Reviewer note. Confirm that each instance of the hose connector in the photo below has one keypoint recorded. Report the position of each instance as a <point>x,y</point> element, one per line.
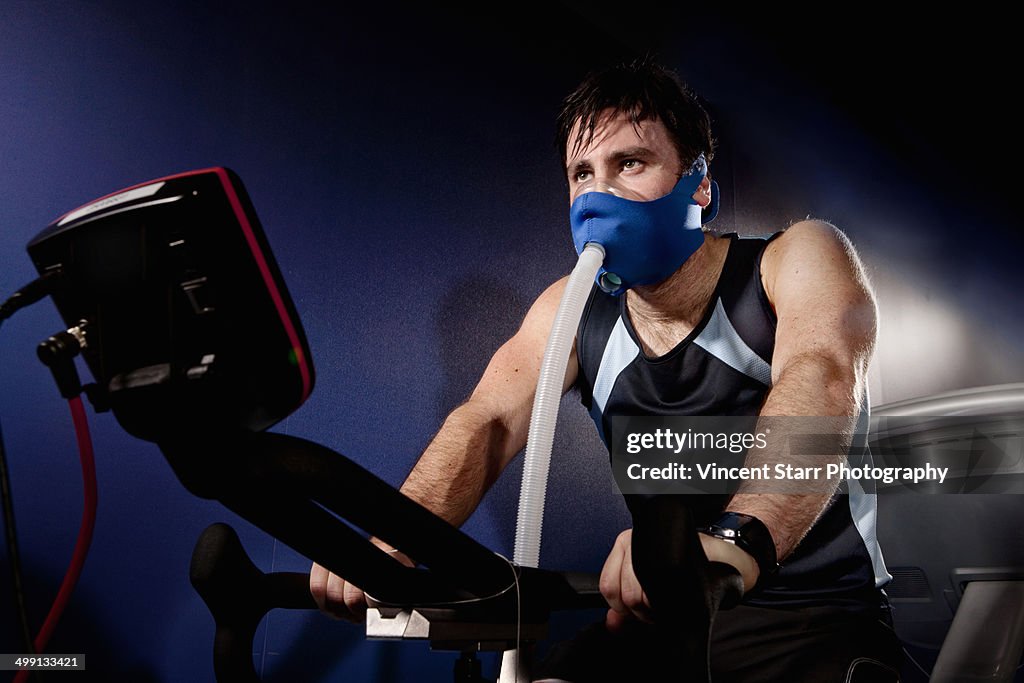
<point>58,353</point>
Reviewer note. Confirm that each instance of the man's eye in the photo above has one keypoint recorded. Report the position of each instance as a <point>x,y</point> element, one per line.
<point>630,164</point>
<point>581,176</point>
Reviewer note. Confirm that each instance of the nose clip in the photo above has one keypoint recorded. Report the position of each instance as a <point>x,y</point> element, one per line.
<point>605,187</point>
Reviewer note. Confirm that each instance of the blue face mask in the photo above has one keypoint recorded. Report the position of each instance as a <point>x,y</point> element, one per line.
<point>644,242</point>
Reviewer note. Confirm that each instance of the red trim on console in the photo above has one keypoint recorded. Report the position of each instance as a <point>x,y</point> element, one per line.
<point>275,295</point>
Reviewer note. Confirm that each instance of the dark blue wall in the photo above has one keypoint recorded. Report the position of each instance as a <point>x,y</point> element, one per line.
<point>402,164</point>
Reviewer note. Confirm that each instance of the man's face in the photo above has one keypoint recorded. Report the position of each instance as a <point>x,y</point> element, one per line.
<point>632,161</point>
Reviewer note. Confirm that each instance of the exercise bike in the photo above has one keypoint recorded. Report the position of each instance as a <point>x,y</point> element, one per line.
<point>173,299</point>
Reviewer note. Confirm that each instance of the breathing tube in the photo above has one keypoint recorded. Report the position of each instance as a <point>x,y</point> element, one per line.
<point>546,402</point>
<point>622,242</point>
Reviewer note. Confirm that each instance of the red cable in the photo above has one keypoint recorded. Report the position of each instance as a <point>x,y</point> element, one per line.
<point>84,531</point>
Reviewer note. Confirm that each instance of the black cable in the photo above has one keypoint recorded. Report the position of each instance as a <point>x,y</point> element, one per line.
<point>31,293</point>
<point>13,554</point>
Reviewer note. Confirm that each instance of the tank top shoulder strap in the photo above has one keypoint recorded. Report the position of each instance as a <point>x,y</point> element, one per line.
<point>743,296</point>
<point>599,318</point>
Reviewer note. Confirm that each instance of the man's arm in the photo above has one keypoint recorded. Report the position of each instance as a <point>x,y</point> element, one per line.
<point>473,446</point>
<point>480,437</point>
<point>824,341</point>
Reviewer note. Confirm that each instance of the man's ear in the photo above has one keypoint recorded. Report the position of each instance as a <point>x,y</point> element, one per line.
<point>703,194</point>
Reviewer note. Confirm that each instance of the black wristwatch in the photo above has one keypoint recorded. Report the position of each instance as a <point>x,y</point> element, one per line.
<point>750,535</point>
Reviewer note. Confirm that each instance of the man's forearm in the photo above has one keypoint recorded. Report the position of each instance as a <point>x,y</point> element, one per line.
<point>810,386</point>
<point>459,465</point>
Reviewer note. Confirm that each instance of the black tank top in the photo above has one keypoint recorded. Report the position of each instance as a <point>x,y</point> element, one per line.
<point>723,367</point>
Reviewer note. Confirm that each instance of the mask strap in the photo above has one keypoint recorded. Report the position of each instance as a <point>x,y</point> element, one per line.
<point>689,183</point>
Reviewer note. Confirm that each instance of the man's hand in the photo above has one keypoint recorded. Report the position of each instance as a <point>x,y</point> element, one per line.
<point>340,599</point>
<point>624,594</point>
<point>620,587</point>
<point>335,596</point>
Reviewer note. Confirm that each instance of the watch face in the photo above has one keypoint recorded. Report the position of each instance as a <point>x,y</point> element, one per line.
<point>750,534</point>
<point>733,521</point>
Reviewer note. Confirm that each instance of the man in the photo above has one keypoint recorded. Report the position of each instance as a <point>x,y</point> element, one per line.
<point>776,327</point>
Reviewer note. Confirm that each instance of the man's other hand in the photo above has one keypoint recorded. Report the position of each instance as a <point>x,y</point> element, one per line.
<point>340,599</point>
<point>620,587</point>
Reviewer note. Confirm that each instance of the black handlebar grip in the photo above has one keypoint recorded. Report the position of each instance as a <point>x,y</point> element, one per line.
<point>238,595</point>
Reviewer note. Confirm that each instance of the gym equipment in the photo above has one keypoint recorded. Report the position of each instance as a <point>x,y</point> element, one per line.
<point>174,300</point>
<point>957,560</point>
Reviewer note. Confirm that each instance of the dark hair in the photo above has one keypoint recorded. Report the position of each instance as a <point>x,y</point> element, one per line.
<point>644,91</point>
